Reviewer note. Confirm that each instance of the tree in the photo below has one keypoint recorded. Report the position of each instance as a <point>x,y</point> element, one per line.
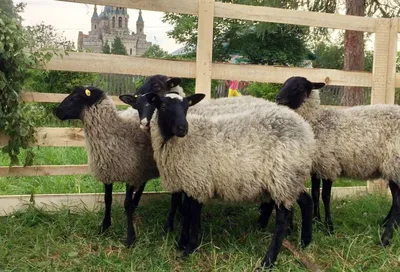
<point>354,54</point>
<point>118,48</point>
<point>257,42</point>
<point>155,51</point>
<point>106,48</point>
<point>46,37</point>
<point>10,10</point>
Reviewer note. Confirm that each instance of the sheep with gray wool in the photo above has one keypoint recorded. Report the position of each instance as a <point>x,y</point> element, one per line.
<point>118,150</point>
<point>198,155</point>
<point>358,142</point>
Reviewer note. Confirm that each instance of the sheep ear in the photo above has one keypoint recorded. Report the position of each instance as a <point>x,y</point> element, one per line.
<point>194,99</point>
<point>317,85</point>
<point>153,99</point>
<point>173,82</point>
<point>129,98</point>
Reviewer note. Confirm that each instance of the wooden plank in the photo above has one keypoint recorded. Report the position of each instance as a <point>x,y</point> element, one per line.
<point>246,12</point>
<point>124,65</point>
<point>91,62</point>
<point>204,47</point>
<point>178,6</point>
<point>43,170</point>
<point>95,201</point>
<point>392,58</point>
<point>275,74</point>
<point>381,60</point>
<point>55,98</point>
<point>296,17</point>
<point>75,202</point>
<point>56,137</point>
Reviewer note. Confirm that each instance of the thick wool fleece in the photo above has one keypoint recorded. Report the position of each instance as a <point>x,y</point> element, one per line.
<point>118,150</point>
<point>239,157</point>
<point>228,105</point>
<point>358,142</point>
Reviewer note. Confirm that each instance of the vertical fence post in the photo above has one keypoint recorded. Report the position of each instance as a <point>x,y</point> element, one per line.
<point>380,75</point>
<point>204,47</point>
<point>384,75</point>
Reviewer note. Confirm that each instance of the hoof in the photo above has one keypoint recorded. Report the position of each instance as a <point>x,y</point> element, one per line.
<point>384,242</point>
<point>267,264</point>
<point>168,227</point>
<point>182,244</point>
<point>129,242</point>
<point>104,228</point>
<point>329,228</point>
<point>306,241</point>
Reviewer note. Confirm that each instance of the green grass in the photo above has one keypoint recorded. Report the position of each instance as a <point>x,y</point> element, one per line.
<point>34,240</point>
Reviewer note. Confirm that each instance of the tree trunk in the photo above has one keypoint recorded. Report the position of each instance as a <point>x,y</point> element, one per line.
<point>354,54</point>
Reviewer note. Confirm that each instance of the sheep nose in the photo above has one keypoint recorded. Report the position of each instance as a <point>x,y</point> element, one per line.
<point>182,130</point>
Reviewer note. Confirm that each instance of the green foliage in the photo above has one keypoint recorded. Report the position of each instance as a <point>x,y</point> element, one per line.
<point>17,55</point>
<point>106,48</point>
<point>267,91</point>
<point>10,10</point>
<point>118,48</point>
<point>329,56</point>
<point>263,43</point>
<point>155,51</point>
<point>46,37</point>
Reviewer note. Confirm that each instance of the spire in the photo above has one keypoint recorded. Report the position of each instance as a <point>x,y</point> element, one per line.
<point>95,15</point>
<point>140,18</point>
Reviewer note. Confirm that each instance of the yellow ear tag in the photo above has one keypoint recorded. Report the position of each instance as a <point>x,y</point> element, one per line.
<point>87,92</point>
<point>190,102</point>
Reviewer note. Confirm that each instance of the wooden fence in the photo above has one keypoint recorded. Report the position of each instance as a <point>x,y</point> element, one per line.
<point>382,80</point>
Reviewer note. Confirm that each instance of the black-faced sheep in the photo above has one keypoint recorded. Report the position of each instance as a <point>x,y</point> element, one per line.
<point>118,150</point>
<point>358,142</point>
<point>198,155</point>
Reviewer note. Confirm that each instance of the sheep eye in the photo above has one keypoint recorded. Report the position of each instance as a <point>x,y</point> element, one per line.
<point>163,107</point>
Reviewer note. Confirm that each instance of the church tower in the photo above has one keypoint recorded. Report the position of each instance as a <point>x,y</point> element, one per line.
<point>95,20</point>
<point>140,24</point>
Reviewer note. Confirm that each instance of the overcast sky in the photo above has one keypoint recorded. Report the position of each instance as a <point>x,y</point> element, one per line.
<point>71,18</point>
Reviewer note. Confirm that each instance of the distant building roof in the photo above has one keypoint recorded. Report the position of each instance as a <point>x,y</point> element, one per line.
<point>95,15</point>
<point>140,18</point>
<point>180,51</point>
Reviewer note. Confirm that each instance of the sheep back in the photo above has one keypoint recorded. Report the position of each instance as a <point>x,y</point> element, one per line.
<point>239,157</point>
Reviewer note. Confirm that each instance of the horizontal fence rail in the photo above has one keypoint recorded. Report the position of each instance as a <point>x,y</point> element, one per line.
<point>129,65</point>
<point>246,12</point>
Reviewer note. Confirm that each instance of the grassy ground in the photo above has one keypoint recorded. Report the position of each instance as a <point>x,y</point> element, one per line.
<point>41,241</point>
<point>76,183</point>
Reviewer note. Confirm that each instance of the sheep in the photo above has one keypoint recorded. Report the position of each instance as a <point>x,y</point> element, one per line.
<point>274,147</point>
<point>118,151</point>
<point>213,107</point>
<point>358,142</point>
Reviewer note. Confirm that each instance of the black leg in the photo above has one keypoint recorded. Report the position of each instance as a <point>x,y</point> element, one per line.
<point>384,222</point>
<point>266,209</point>
<point>108,188</point>
<point>128,204</point>
<point>305,202</point>
<point>180,203</point>
<point>282,222</point>
<point>315,191</point>
<point>137,196</point>
<point>184,239</point>
<point>176,202</point>
<point>195,213</point>
<point>394,219</point>
<point>326,198</point>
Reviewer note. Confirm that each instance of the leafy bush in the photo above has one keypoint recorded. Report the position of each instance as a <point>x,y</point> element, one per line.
<point>16,57</point>
<point>267,91</point>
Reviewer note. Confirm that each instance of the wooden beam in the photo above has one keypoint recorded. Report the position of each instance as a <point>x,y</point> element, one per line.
<point>274,74</point>
<point>246,12</point>
<point>75,202</point>
<point>295,17</point>
<point>392,58</point>
<point>178,6</point>
<point>204,47</point>
<point>92,62</point>
<point>43,170</point>
<point>55,98</point>
<point>124,65</point>
<point>95,201</point>
<point>381,61</point>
